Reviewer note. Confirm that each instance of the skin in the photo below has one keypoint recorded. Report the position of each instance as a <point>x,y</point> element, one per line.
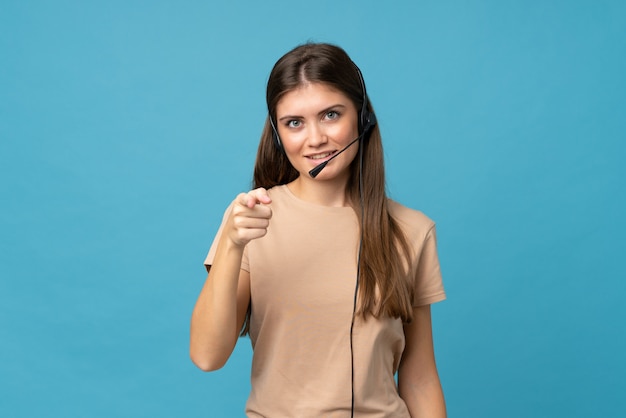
<point>314,121</point>
<point>418,380</point>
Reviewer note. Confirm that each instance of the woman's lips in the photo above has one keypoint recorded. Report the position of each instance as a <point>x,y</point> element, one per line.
<point>320,157</point>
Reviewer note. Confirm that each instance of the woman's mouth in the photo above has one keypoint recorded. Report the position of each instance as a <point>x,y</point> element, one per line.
<point>321,155</point>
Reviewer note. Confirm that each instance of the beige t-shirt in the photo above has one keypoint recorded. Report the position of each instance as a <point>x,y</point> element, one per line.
<point>302,282</point>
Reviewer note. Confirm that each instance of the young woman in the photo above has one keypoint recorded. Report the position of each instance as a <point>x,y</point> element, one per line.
<point>332,280</point>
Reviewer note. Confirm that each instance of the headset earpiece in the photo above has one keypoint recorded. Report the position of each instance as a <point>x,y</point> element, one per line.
<point>367,119</point>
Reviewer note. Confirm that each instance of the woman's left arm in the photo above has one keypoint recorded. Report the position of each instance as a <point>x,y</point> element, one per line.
<point>418,380</point>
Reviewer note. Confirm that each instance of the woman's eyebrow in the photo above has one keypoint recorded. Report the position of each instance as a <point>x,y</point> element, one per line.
<point>333,107</point>
<point>321,112</point>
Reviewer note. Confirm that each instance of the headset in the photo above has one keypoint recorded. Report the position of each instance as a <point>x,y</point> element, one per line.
<point>367,118</point>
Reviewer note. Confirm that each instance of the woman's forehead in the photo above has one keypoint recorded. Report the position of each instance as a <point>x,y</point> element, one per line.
<point>309,97</point>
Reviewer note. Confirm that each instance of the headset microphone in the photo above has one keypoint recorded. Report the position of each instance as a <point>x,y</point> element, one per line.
<point>316,170</point>
<point>371,121</point>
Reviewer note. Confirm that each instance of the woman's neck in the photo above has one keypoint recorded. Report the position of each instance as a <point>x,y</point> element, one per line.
<point>325,193</point>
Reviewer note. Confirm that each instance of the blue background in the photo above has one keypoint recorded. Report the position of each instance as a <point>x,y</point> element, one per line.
<point>127,127</point>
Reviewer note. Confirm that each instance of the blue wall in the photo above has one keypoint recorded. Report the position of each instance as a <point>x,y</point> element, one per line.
<point>127,127</point>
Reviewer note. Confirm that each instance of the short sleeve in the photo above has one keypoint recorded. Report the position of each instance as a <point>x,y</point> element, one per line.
<point>428,281</point>
<point>208,261</point>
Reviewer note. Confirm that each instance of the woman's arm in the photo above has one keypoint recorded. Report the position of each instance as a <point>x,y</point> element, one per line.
<point>418,380</point>
<point>219,314</point>
<point>221,307</point>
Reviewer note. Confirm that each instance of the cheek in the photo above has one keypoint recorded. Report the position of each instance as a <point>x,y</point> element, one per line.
<point>352,152</point>
<point>350,131</point>
<point>292,151</point>
<point>291,147</point>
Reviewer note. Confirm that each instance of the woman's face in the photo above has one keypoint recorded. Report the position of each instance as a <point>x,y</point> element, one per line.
<point>315,121</point>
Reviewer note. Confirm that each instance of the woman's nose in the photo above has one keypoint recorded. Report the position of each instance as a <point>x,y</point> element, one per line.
<point>317,136</point>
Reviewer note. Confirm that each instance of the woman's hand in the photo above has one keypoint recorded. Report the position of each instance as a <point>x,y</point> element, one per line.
<point>250,217</point>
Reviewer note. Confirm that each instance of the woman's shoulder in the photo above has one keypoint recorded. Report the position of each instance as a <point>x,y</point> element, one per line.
<point>411,220</point>
<point>279,194</point>
<point>277,191</point>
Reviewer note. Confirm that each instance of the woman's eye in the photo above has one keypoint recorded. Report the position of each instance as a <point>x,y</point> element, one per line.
<point>333,114</point>
<point>294,124</point>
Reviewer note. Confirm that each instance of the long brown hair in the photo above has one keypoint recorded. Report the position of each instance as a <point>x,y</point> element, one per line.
<point>384,286</point>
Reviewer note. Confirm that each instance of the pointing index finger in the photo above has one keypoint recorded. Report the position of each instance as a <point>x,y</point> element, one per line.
<point>256,196</point>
